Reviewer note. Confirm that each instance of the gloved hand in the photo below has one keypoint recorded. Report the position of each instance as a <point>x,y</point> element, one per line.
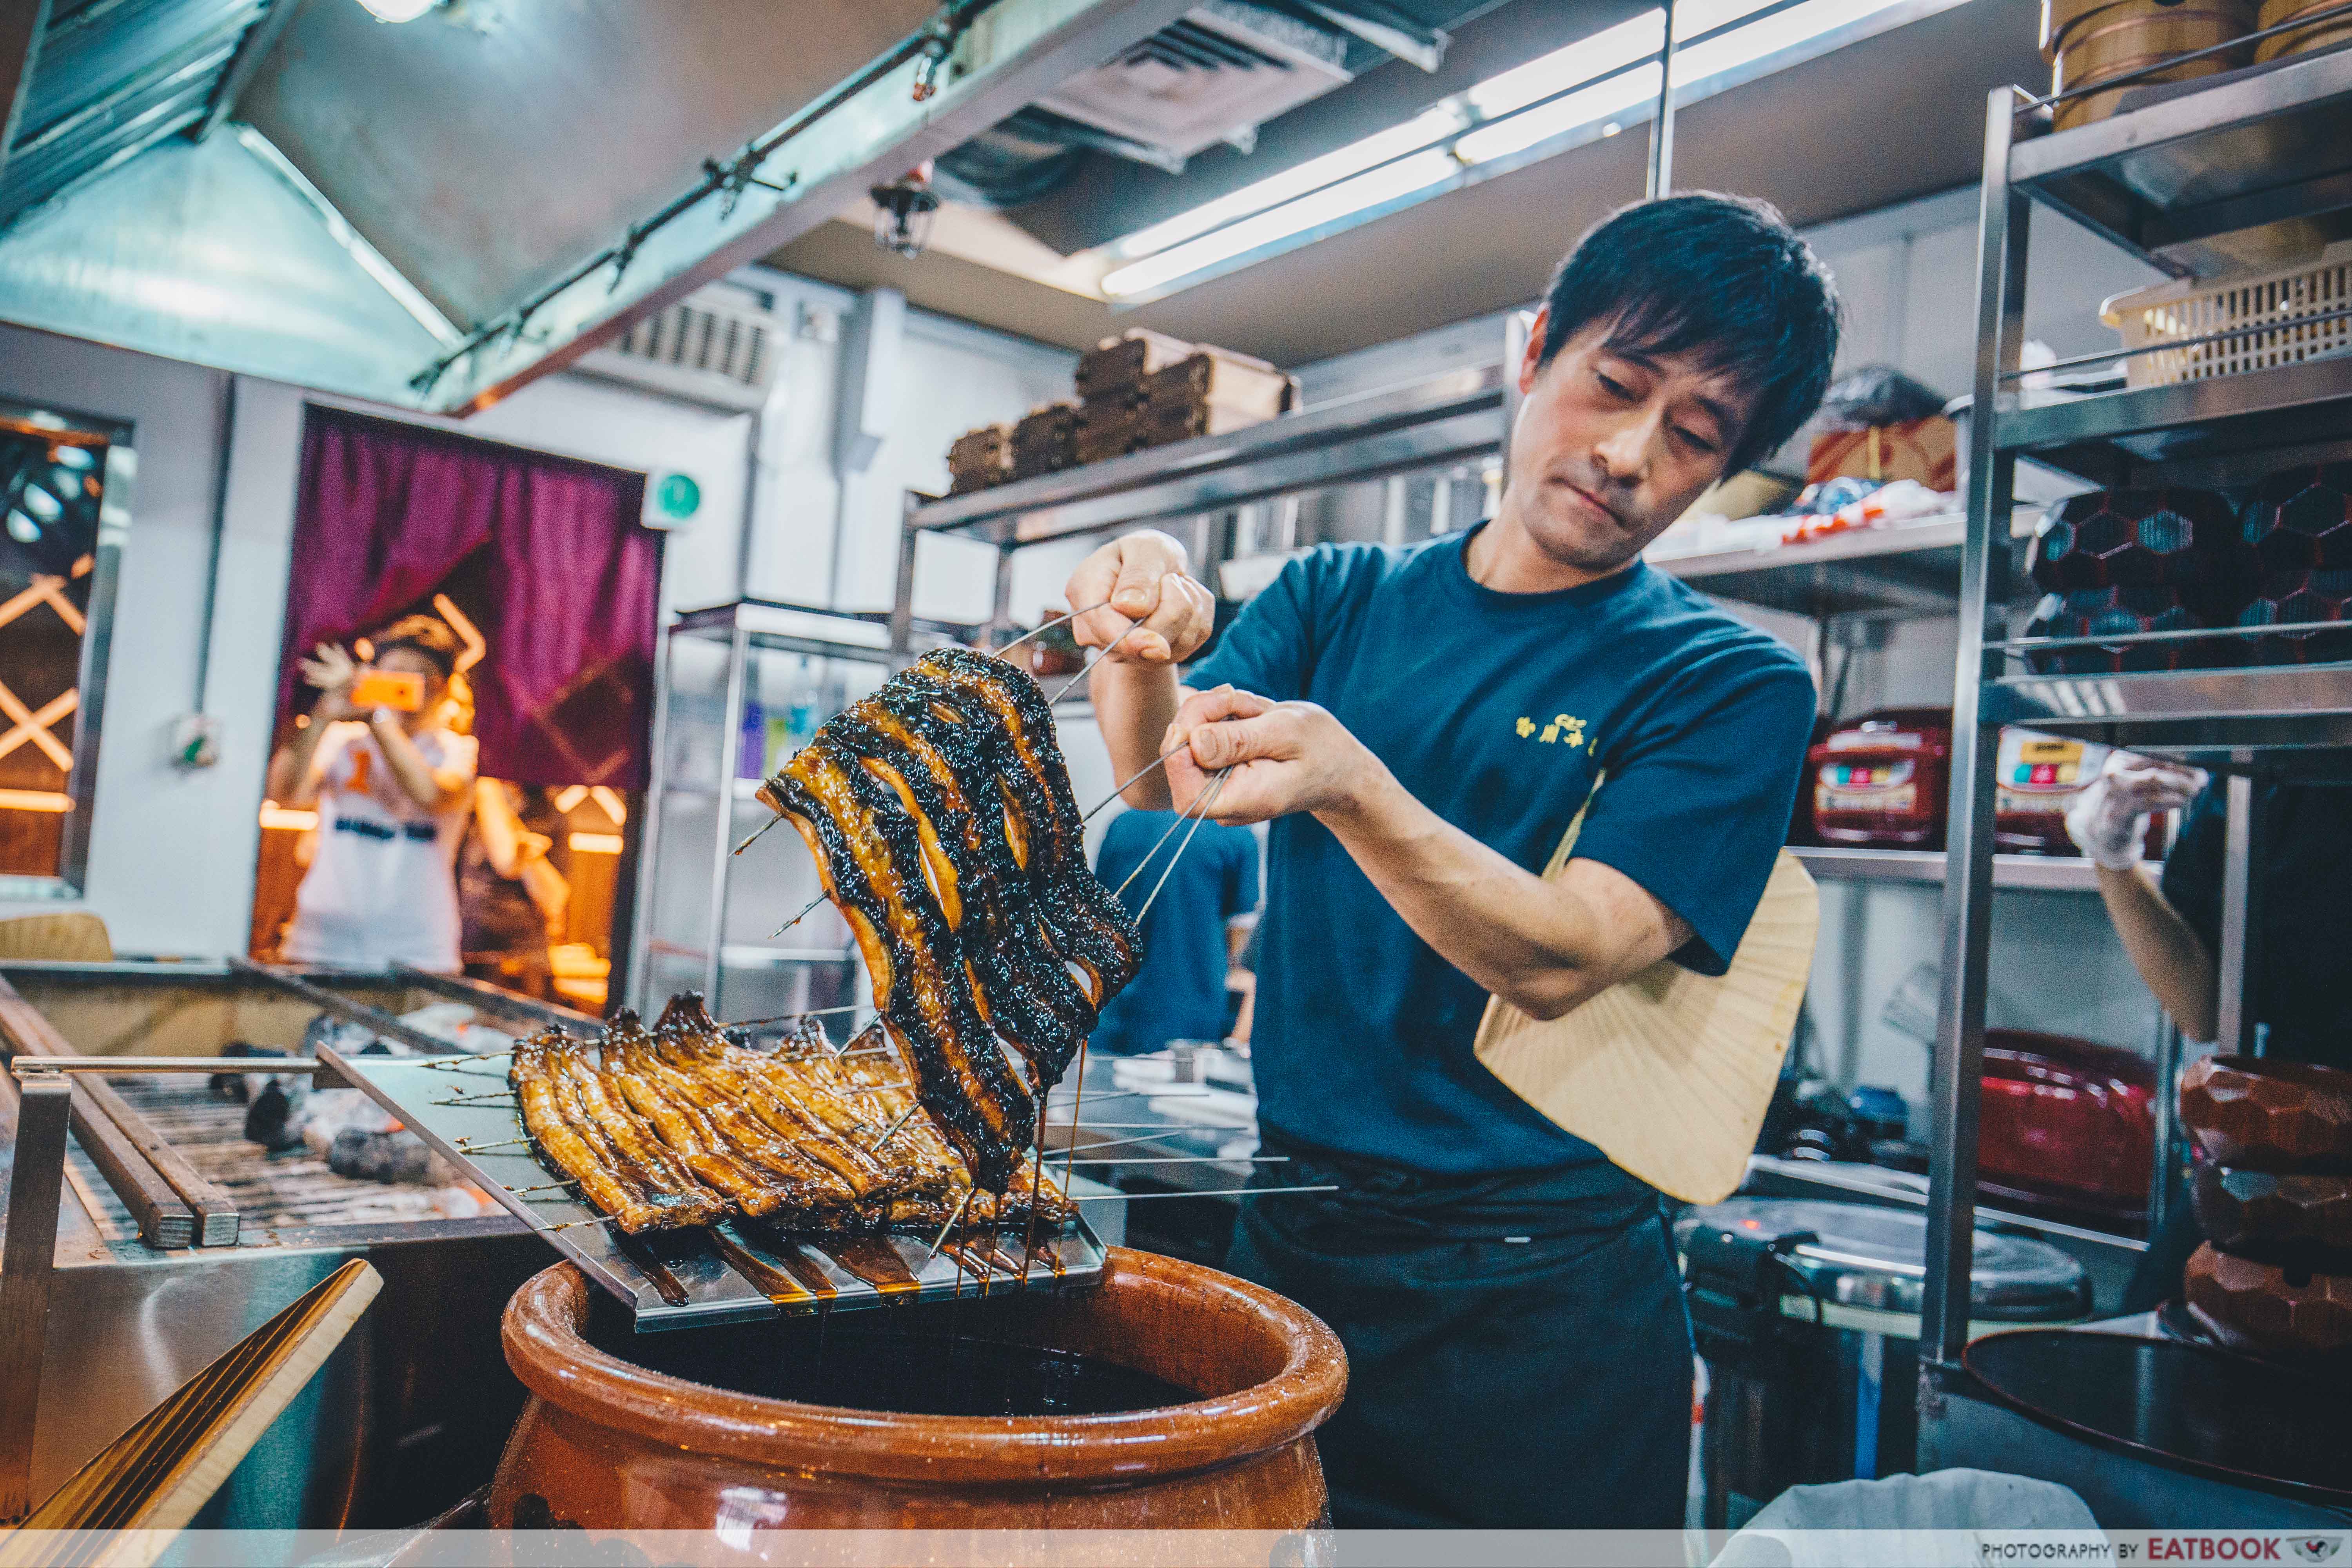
<point>2109,821</point>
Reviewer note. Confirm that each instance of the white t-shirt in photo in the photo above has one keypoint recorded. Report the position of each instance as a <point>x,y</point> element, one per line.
<point>382,884</point>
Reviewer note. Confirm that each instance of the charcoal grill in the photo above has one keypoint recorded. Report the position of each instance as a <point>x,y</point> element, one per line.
<point>407,1417</point>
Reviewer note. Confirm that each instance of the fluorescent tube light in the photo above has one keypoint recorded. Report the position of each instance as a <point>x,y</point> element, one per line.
<point>1431,125</point>
<point>1499,117</point>
<point>1328,205</point>
<point>1607,50</point>
<point>1599,101</point>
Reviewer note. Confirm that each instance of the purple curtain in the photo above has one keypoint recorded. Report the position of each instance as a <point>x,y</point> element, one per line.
<point>569,584</point>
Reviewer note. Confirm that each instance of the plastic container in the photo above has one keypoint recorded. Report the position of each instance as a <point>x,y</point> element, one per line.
<point>2275,300</point>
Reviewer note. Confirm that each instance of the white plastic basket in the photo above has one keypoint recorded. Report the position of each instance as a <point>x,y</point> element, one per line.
<point>2171,312</point>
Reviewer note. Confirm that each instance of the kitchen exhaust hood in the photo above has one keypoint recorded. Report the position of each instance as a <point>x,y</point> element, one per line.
<point>431,216</point>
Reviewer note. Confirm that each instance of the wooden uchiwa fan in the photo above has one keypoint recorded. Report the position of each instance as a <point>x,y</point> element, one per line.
<point>1670,1073</point>
<point>124,1507</point>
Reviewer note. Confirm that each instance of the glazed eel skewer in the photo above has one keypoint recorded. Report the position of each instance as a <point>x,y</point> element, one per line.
<point>940,816</point>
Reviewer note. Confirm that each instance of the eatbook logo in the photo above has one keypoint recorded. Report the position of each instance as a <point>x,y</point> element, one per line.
<point>2316,1548</point>
<point>1562,731</point>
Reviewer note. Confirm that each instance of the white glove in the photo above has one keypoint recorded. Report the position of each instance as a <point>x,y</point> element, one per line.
<point>2109,821</point>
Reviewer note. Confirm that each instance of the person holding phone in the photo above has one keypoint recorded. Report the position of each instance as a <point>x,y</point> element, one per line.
<point>393,787</point>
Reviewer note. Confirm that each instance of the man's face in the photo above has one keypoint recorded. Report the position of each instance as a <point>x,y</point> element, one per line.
<point>1611,446</point>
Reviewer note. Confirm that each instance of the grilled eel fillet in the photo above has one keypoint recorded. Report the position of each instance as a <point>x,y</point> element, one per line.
<point>866,1091</point>
<point>623,1171</point>
<point>942,818</point>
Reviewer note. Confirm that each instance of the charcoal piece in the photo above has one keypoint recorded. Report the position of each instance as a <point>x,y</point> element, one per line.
<point>1045,442</point>
<point>240,1086</point>
<point>269,1118</point>
<point>380,1156</point>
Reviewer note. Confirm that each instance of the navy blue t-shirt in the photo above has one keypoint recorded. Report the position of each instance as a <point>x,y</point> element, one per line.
<point>1179,991</point>
<point>1493,710</point>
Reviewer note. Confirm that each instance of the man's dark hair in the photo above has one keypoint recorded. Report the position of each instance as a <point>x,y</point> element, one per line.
<point>1723,278</point>
<point>421,634</point>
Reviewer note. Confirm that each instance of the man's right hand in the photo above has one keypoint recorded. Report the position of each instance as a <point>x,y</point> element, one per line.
<point>1140,604</point>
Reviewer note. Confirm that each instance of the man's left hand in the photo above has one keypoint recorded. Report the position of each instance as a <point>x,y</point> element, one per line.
<point>1285,757</point>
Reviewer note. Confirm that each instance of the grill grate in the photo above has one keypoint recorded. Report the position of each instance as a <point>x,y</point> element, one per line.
<point>271,1192</point>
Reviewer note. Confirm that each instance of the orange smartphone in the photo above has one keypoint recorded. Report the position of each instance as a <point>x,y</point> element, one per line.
<point>401,691</point>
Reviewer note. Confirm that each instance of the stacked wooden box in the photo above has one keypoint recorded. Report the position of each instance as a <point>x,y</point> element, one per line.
<point>1139,389</point>
<point>1211,392</point>
<point>1045,441</point>
<point>1111,379</point>
<point>979,459</point>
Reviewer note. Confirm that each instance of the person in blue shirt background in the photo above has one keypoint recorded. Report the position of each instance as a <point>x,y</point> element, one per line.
<point>1419,724</point>
<point>1191,932</point>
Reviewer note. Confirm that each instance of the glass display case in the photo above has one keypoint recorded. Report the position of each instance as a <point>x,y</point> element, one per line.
<point>743,686</point>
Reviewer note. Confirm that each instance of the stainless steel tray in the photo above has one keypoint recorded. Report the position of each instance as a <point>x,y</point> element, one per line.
<point>686,1279</point>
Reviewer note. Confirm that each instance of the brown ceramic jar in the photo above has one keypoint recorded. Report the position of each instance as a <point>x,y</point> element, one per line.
<point>607,1445</point>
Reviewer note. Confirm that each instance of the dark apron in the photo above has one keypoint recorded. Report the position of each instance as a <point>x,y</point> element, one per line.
<point>1543,1384</point>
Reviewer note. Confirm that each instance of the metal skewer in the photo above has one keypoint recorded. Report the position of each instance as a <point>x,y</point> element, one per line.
<point>892,1130</point>
<point>507,1097</point>
<point>941,1239</point>
<point>1201,803</point>
<point>1119,789</point>
<point>467,1147</point>
<point>796,918</point>
<point>760,833</point>
<point>577,1224</point>
<point>1088,668</point>
<point>803,1013</point>
<point>1049,626</point>
<point>1192,1160</point>
<point>1208,799</point>
<point>543,1187</point>
<point>1212,1192</point>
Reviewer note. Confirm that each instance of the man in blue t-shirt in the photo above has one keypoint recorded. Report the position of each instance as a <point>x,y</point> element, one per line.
<point>1200,882</point>
<point>1420,725</point>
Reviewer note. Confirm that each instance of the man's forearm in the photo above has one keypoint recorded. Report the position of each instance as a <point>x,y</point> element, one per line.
<point>2165,948</point>
<point>1545,947</point>
<point>1134,705</point>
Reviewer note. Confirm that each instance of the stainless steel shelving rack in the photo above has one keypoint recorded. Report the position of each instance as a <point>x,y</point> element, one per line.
<point>666,903</point>
<point>2253,149</point>
<point>1447,419</point>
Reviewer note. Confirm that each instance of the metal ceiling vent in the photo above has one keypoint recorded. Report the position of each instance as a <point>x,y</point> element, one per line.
<point>720,346</point>
<point>1224,69</point>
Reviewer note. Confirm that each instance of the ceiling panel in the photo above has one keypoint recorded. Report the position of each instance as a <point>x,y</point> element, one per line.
<point>1894,117</point>
<point>484,148</point>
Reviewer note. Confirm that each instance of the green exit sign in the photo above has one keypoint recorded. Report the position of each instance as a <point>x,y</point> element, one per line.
<point>677,497</point>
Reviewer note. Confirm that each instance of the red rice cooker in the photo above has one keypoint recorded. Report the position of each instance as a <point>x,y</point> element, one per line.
<point>1880,782</point>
